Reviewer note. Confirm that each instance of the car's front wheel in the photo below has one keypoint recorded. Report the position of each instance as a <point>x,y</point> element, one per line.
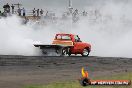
<point>85,52</point>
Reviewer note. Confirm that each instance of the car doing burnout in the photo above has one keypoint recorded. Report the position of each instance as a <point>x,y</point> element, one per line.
<point>66,44</point>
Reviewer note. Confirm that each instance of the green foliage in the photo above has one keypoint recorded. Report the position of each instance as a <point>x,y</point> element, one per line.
<point>75,84</point>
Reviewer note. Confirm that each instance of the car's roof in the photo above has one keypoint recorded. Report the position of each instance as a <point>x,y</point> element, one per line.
<point>64,34</point>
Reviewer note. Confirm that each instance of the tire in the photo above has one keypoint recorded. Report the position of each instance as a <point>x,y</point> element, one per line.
<point>44,52</point>
<point>64,52</point>
<point>85,52</point>
<point>69,54</point>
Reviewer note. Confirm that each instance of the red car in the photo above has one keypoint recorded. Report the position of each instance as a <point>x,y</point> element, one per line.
<point>67,44</point>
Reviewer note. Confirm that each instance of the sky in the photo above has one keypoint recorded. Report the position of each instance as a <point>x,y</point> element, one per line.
<point>58,3</point>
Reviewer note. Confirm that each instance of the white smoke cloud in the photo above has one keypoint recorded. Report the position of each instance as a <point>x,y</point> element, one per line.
<point>110,34</point>
<point>18,39</point>
<point>13,37</point>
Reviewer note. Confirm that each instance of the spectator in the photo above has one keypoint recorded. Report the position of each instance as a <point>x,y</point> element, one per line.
<point>0,13</point>
<point>13,7</point>
<point>34,14</point>
<point>47,13</point>
<point>24,12</point>
<point>19,11</point>
<point>41,12</point>
<point>84,13</point>
<point>37,12</point>
<point>76,11</point>
<point>6,8</point>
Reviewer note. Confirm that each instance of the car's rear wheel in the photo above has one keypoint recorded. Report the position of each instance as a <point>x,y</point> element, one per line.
<point>69,54</point>
<point>65,51</point>
<point>85,52</point>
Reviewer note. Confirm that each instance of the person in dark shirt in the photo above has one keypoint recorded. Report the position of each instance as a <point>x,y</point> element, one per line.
<point>6,8</point>
<point>37,12</point>
<point>0,13</point>
<point>41,12</point>
<point>34,14</point>
<point>13,7</point>
<point>19,11</point>
<point>24,11</point>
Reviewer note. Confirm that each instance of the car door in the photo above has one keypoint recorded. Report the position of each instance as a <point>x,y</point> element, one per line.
<point>77,44</point>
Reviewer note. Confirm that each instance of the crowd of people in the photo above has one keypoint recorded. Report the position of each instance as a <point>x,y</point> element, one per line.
<point>13,9</point>
<point>10,9</point>
<point>37,13</point>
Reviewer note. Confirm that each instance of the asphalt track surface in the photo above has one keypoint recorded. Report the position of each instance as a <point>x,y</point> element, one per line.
<point>18,71</point>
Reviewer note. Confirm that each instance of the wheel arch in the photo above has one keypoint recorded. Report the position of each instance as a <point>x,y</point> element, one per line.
<point>88,48</point>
